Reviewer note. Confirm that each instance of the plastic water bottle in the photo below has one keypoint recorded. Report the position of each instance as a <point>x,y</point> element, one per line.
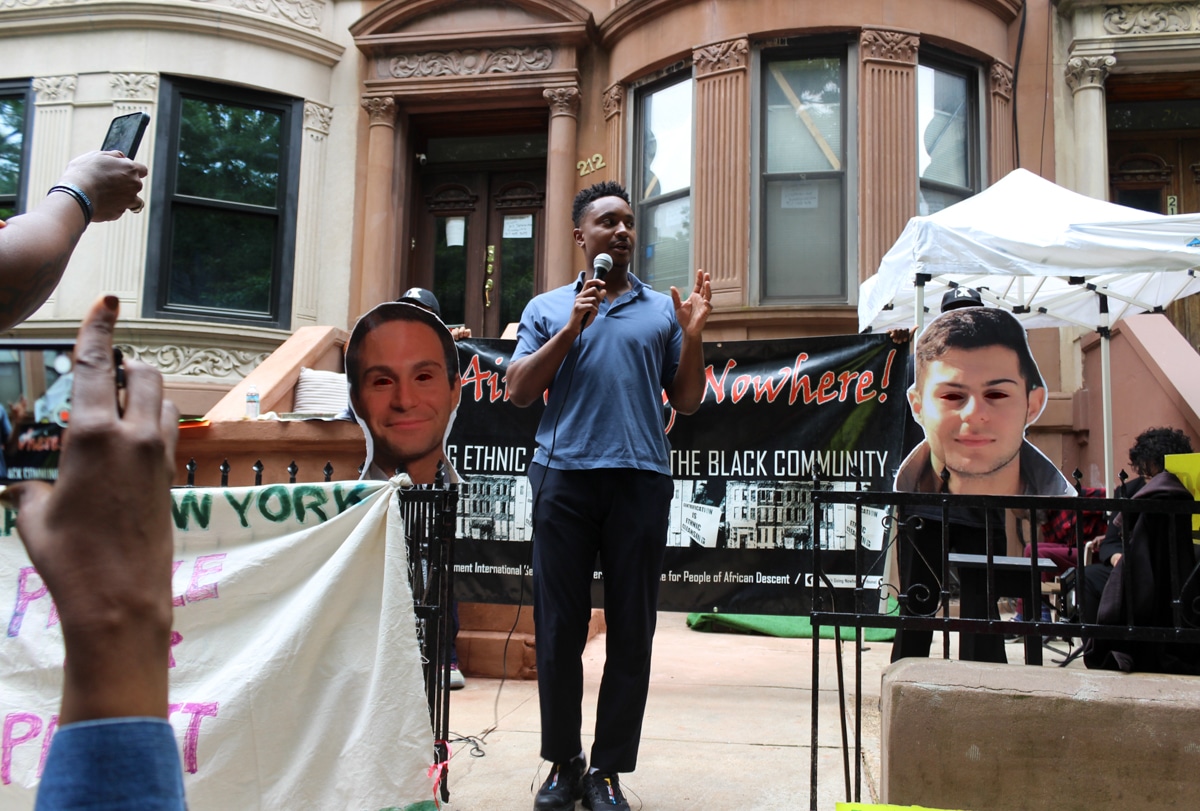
<point>252,403</point>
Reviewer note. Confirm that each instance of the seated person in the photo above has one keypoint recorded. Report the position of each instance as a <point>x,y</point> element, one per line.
<point>1156,558</point>
<point>1057,542</point>
<point>1146,457</point>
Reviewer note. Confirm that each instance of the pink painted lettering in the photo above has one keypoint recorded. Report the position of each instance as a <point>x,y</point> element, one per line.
<point>177,600</point>
<point>10,739</point>
<point>205,565</point>
<point>26,594</point>
<point>176,638</point>
<point>191,737</point>
<point>51,728</point>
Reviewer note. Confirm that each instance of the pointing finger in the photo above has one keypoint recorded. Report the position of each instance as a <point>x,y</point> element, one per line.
<point>94,385</point>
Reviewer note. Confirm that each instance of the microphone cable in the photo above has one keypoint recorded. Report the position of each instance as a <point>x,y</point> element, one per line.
<point>600,267</point>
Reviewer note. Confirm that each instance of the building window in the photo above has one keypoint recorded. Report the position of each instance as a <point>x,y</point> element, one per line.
<point>803,202</point>
<point>663,184</point>
<point>225,193</point>
<point>16,108</point>
<point>947,134</point>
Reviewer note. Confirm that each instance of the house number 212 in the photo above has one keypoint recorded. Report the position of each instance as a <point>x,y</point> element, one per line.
<point>593,164</point>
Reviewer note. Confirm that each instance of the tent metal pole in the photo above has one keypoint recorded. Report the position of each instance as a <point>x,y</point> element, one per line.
<point>1106,393</point>
<point>919,306</point>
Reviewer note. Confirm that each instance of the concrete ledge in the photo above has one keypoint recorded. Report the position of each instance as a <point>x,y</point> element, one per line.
<point>980,737</point>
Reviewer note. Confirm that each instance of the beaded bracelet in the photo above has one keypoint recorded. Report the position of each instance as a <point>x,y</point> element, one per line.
<point>80,197</point>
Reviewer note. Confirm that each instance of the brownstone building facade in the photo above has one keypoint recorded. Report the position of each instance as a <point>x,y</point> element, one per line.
<point>780,146</point>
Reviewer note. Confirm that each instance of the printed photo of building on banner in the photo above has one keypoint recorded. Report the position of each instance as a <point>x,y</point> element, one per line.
<point>778,418</point>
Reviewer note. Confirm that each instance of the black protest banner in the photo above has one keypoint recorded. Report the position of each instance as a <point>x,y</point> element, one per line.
<point>775,414</point>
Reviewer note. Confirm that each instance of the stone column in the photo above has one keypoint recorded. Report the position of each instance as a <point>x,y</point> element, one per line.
<point>54,108</point>
<point>306,270</point>
<point>1085,78</point>
<point>721,178</point>
<point>373,283</point>
<point>558,247</point>
<point>614,129</point>
<point>887,141</point>
<point>1002,154</point>
<point>123,262</point>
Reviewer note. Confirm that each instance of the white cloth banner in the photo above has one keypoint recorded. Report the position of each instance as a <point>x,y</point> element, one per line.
<point>296,679</point>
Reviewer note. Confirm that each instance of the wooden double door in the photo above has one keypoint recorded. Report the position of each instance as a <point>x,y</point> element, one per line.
<point>477,243</point>
<point>1159,172</point>
<point>1154,157</point>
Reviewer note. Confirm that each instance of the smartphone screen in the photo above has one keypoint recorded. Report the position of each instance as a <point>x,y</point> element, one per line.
<point>35,406</point>
<point>125,134</point>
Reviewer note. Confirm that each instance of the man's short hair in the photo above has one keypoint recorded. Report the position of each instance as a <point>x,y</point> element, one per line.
<point>978,328</point>
<point>584,200</point>
<point>1151,446</point>
<point>397,311</point>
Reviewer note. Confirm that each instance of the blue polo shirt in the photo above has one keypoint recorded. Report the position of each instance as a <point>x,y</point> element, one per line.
<point>606,405</point>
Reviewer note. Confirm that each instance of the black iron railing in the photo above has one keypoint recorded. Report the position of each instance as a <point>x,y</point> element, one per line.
<point>926,606</point>
<point>293,470</point>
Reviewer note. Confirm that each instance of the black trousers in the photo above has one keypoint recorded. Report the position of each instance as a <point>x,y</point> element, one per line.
<point>920,580</point>
<point>1095,578</point>
<point>622,517</point>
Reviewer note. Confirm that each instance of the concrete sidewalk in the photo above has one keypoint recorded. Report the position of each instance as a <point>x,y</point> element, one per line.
<point>727,727</point>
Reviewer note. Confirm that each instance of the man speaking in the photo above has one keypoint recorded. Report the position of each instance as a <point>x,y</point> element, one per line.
<point>606,348</point>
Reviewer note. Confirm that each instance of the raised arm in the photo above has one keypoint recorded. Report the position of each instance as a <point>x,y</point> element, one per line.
<point>100,537</point>
<point>35,246</point>
<point>687,389</point>
<point>532,374</point>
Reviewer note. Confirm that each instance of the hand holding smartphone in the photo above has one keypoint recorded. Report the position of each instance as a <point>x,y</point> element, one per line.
<point>125,134</point>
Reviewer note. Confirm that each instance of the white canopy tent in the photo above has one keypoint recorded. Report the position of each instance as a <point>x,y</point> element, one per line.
<point>1050,256</point>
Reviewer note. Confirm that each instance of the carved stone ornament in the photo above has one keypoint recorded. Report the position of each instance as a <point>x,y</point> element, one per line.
<point>381,110</point>
<point>889,46</point>
<point>1142,168</point>
<point>1151,18</point>
<point>721,56</point>
<point>190,361</point>
<point>1158,177</point>
<point>452,197</point>
<point>520,194</point>
<point>54,89</point>
<point>562,100</point>
<point>1001,76</point>
<point>304,13</point>
<point>471,62</point>
<point>134,86</point>
<point>1088,71</point>
<point>318,117</point>
<point>614,98</point>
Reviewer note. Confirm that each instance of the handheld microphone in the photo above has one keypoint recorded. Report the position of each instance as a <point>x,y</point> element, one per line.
<point>601,265</point>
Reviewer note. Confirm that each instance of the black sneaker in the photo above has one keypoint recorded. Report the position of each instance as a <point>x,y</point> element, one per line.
<point>563,787</point>
<point>602,791</point>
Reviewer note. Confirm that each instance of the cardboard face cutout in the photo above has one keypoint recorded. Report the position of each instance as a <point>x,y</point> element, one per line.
<point>402,371</point>
<point>976,390</point>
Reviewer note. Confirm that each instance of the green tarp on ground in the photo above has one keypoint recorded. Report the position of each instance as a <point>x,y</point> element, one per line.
<point>786,627</point>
